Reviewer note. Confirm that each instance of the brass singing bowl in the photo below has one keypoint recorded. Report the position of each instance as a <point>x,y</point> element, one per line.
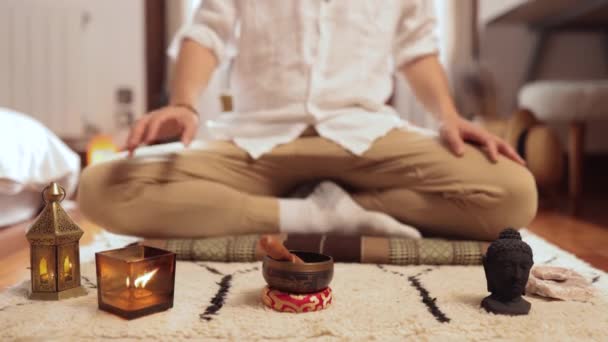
<point>313,275</point>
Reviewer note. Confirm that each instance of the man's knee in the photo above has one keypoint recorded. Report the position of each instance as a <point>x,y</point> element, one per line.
<point>522,199</point>
<point>89,189</point>
<point>99,196</point>
<point>518,203</point>
<point>110,196</point>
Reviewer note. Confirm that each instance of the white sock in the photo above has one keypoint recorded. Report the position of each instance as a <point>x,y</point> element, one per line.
<point>330,209</point>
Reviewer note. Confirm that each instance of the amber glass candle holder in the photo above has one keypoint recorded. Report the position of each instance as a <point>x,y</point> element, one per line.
<point>135,281</point>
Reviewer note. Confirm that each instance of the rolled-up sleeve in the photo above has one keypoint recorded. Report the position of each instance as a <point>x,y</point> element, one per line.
<point>213,26</point>
<point>416,32</point>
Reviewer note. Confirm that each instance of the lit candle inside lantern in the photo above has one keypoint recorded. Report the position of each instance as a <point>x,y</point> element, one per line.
<point>134,295</point>
<point>67,269</point>
<point>144,279</point>
<point>54,250</point>
<point>138,290</point>
<point>44,273</point>
<point>135,281</point>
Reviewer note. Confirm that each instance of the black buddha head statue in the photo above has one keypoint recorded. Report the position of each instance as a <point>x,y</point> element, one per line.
<point>507,266</point>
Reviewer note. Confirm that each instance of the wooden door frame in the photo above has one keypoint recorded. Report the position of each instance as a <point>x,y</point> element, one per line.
<point>155,50</point>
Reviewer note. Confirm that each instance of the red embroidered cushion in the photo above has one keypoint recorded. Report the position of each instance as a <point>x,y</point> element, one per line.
<point>285,302</point>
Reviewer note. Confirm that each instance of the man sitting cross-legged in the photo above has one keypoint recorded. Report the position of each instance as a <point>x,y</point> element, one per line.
<point>310,81</point>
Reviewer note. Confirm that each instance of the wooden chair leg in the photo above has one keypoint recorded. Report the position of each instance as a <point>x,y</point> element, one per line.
<point>576,144</point>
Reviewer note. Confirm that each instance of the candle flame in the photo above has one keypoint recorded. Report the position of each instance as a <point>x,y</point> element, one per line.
<point>43,267</point>
<point>127,282</point>
<point>67,265</point>
<point>141,281</point>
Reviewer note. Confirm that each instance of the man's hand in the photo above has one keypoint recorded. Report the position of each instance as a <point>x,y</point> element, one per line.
<point>165,123</point>
<point>429,82</point>
<point>455,131</point>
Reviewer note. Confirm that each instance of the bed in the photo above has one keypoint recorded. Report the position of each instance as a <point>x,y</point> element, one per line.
<point>31,156</point>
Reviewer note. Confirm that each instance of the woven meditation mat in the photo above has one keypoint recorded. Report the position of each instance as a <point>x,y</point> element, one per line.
<point>365,249</point>
<point>218,301</point>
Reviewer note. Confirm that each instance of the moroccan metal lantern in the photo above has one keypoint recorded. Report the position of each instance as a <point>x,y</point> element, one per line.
<point>135,281</point>
<point>54,250</point>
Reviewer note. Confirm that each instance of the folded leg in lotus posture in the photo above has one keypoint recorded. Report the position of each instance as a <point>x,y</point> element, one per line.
<point>406,178</point>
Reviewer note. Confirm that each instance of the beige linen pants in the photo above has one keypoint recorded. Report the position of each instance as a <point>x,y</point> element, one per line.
<point>220,190</point>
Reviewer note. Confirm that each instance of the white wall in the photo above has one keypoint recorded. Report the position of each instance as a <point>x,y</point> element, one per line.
<point>506,49</point>
<point>65,59</point>
<point>117,46</point>
<point>490,9</point>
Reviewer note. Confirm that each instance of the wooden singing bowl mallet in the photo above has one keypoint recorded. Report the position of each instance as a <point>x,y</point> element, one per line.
<point>275,249</point>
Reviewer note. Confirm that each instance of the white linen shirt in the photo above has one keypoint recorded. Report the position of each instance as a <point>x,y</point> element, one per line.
<point>322,63</point>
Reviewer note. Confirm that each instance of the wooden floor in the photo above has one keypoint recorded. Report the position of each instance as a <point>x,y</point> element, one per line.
<point>586,236</point>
